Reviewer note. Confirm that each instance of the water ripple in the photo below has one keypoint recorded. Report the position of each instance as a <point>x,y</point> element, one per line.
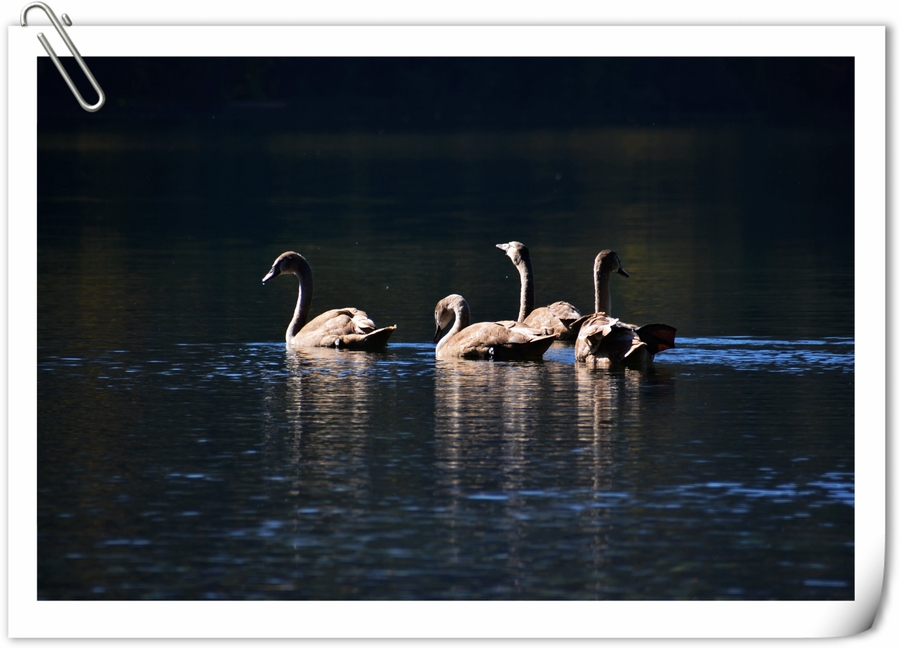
<point>764,354</point>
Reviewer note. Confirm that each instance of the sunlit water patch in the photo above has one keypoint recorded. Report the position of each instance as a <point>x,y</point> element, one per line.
<point>763,354</point>
<point>831,488</point>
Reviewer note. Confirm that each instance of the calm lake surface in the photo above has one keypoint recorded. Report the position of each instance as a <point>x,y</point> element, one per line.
<point>184,453</point>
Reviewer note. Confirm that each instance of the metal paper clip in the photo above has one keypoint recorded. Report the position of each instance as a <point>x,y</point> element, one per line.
<point>62,32</point>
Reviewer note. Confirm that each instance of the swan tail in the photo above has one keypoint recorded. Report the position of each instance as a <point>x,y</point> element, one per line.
<point>573,327</point>
<point>531,350</point>
<point>375,341</point>
<point>539,346</point>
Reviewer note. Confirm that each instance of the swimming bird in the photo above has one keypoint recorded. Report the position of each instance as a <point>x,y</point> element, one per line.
<point>342,328</point>
<point>483,340</point>
<point>603,340</point>
<point>560,317</point>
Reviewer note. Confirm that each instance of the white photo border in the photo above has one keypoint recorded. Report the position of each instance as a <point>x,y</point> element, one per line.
<point>28,617</point>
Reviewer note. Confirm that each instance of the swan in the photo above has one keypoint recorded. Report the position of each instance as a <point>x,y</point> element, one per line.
<point>483,340</point>
<point>604,340</point>
<point>343,328</point>
<point>560,317</point>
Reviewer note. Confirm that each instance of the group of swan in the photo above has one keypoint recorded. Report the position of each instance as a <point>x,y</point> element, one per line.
<point>600,340</point>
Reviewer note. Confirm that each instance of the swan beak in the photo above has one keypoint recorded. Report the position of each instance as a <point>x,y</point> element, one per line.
<point>503,246</point>
<point>274,272</point>
<point>437,333</point>
<point>622,272</point>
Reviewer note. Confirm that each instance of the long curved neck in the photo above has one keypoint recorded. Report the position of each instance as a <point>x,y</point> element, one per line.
<point>526,298</point>
<point>602,299</point>
<point>304,299</point>
<point>461,318</point>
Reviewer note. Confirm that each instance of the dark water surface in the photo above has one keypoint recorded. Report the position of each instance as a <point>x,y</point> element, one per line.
<point>185,453</point>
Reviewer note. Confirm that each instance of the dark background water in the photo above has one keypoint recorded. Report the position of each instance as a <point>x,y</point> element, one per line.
<point>184,453</point>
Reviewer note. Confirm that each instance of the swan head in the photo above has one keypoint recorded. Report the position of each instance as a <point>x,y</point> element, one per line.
<point>450,308</point>
<point>287,263</point>
<point>515,251</point>
<point>608,262</point>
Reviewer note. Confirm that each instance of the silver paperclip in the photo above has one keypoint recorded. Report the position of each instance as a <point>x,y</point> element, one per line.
<point>62,32</point>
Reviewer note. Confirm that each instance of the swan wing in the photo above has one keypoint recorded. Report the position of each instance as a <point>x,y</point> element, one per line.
<point>604,337</point>
<point>528,329</point>
<point>496,340</point>
<point>559,317</point>
<point>565,311</point>
<point>542,319</point>
<point>344,328</point>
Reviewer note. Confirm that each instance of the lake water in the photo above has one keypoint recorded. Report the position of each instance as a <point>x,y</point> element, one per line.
<point>184,453</point>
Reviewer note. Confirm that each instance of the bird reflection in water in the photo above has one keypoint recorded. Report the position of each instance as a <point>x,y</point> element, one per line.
<point>499,442</point>
<point>486,417</point>
<point>482,408</point>
<point>611,405</point>
<point>321,409</point>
